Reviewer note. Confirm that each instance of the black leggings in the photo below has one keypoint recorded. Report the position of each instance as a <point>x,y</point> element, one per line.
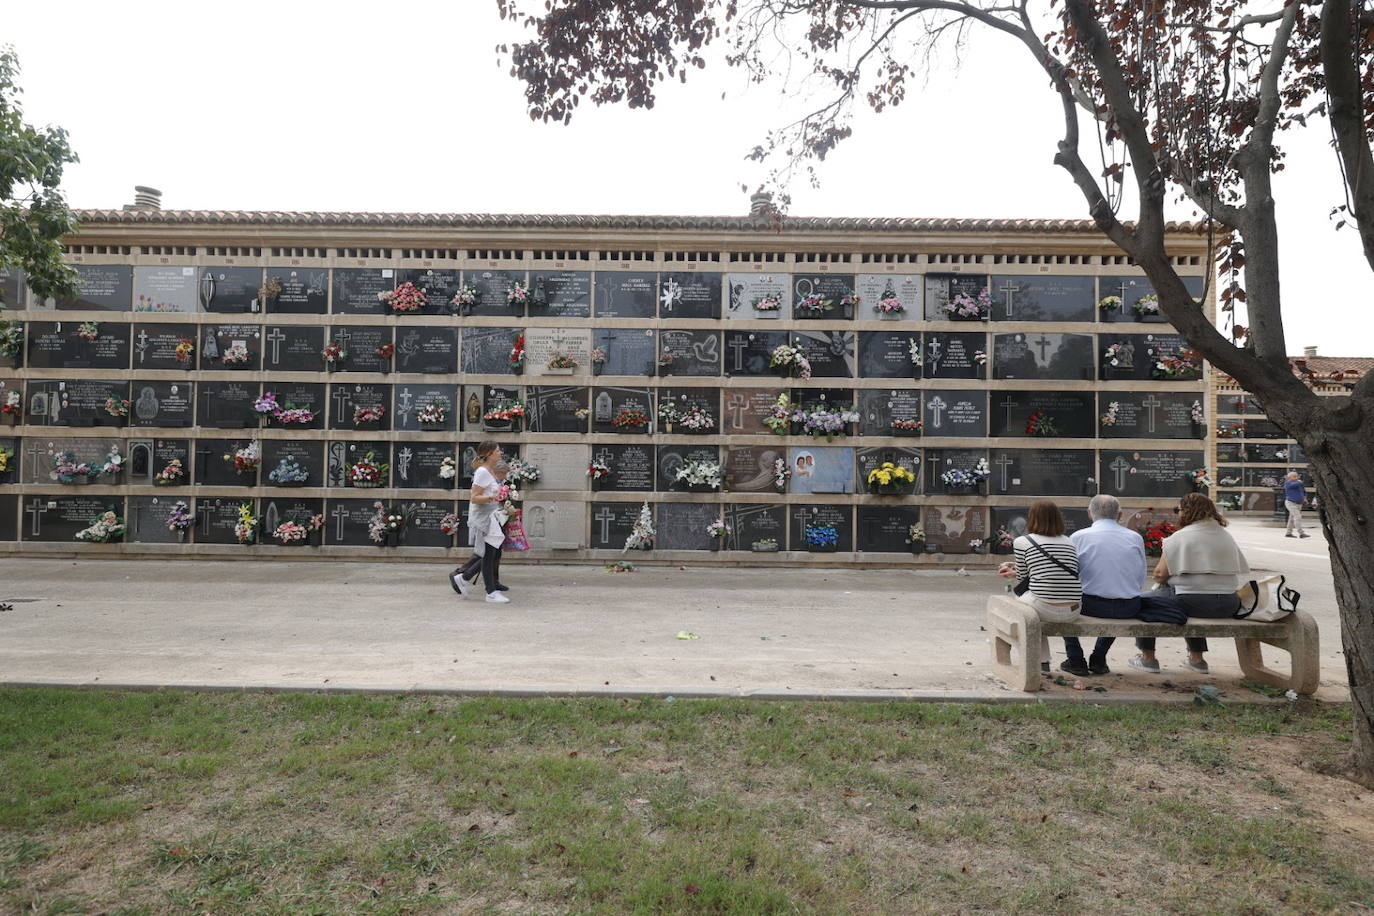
<point>470,569</point>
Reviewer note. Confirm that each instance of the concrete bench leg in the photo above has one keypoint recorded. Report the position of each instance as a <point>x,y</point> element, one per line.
<point>1015,628</point>
<point>1303,655</point>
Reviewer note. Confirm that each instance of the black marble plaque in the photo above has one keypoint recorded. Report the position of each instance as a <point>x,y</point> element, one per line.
<point>301,396</point>
<point>304,290</point>
<point>341,455</point>
<point>938,461</point>
<point>426,349</point>
<point>1149,415</point>
<point>1239,405</point>
<point>612,524</point>
<point>1009,523</point>
<point>749,468</point>
<point>561,293</point>
<point>555,409</point>
<point>279,509</point>
<point>168,404</point>
<point>216,519</point>
<point>626,294</point>
<point>292,348</point>
<point>1069,414</point>
<point>1042,472</point>
<point>40,454</point>
<point>954,355</point>
<point>360,342</point>
<point>610,403</point>
<point>836,290</point>
<point>346,521</point>
<point>164,452</point>
<point>1130,289</point>
<point>870,459</point>
<point>357,290</point>
<point>1041,297</point>
<point>1136,356</point>
<point>1263,429</point>
<point>689,295</point>
<point>102,286</point>
<point>68,515</point>
<point>74,402</point>
<point>146,518</point>
<point>492,286</point>
<point>629,351</point>
<point>155,345</point>
<point>307,454</point>
<point>954,529</point>
<point>838,517</point>
<point>1044,356</point>
<point>486,351</point>
<point>632,467</point>
<point>227,405</point>
<point>955,412</point>
<point>1148,473</point>
<point>831,353</point>
<point>345,398</point>
<point>669,458</point>
<point>418,465</point>
<point>214,462</point>
<point>229,289</point>
<point>12,292</point>
<point>707,400</point>
<point>58,345</point>
<point>1271,478</point>
<point>887,354</point>
<point>689,353</point>
<point>884,529</point>
<point>942,288</point>
<point>889,411</point>
<point>423,519</point>
<point>751,523</point>
<point>439,287</point>
<point>411,398</point>
<point>748,352</point>
<point>682,526</point>
<point>221,342</point>
<point>495,398</point>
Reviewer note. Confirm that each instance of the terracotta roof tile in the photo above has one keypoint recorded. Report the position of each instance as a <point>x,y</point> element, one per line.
<point>1325,368</point>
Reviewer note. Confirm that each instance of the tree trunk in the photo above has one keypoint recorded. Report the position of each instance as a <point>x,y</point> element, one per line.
<point>1342,466</point>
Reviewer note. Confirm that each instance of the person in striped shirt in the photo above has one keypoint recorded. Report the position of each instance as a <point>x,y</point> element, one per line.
<point>1047,558</point>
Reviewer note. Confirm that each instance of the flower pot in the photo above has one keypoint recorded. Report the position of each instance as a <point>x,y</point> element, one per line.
<point>668,428</point>
<point>600,484</point>
<point>288,483</point>
<point>432,427</point>
<point>596,368</point>
<point>290,543</point>
<point>890,316</point>
<point>918,546</point>
<point>698,488</point>
<point>517,369</point>
<point>764,548</point>
<point>365,484</point>
<point>716,545</point>
<point>393,539</point>
<point>565,371</point>
<point>181,536</point>
<point>892,489</point>
<point>9,362</point>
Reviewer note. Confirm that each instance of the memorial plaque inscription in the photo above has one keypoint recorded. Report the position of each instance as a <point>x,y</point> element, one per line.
<point>1044,356</point>
<point>749,468</point>
<point>292,348</point>
<point>439,287</point>
<point>358,290</point>
<point>748,352</point>
<point>617,410</point>
<point>629,351</point>
<point>669,458</point>
<point>689,295</point>
<point>169,289</point>
<point>626,294</point>
<point>412,399</point>
<point>612,524</point>
<point>840,518</point>
<point>231,346</point>
<point>1148,473</point>
<point>486,351</point>
<point>953,412</point>
<point>67,515</point>
<point>884,529</point>
<point>1043,414</point>
<point>943,288</point>
<point>492,287</point>
<point>561,293</point>
<point>426,349</point>
<point>280,455</point>
<point>954,529</point>
<point>831,353</point>
<point>682,526</point>
<point>347,399</point>
<point>867,460</point>
<point>1042,472</point>
<point>214,462</point>
<point>420,464</point>
<point>632,467</point>
<point>905,289</point>
<point>155,345</point>
<point>887,354</point>
<point>1150,415</point>
<point>890,412</point>
<point>1130,290</point>
<point>227,405</point>
<point>227,289</point>
<point>102,286</point>
<point>1037,297</point>
<point>755,523</point>
<point>165,404</point>
<point>299,396</point>
<point>756,295</point>
<point>832,293</point>
<point>555,409</point>
<point>689,353</point>
<point>298,290</point>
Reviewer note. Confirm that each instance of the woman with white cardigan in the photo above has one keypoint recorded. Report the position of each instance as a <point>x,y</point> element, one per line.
<point>484,522</point>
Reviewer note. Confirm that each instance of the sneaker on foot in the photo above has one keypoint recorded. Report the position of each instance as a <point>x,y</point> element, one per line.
<point>460,585</point>
<point>1075,666</point>
<point>1098,665</point>
<point>1151,665</point>
<point>1290,535</point>
<point>497,598</point>
<point>1304,535</point>
<point>1199,666</point>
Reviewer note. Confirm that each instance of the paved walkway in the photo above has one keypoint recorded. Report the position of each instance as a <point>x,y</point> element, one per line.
<point>569,629</point>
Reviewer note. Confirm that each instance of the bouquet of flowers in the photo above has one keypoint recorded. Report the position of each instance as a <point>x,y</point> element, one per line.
<point>405,298</point>
<point>384,521</point>
<point>521,471</point>
<point>1146,306</point>
<point>828,423</point>
<point>668,414</point>
<point>288,470</point>
<point>598,470</point>
<point>665,360</point>
<point>767,303</point>
<point>888,474</point>
<point>170,474</point>
<point>246,530</point>
<point>889,305</point>
<point>560,360</point>
<point>1109,418</point>
<point>88,330</point>
<point>316,523</point>
<point>270,289</point>
<point>466,297</point>
<point>368,414</point>
<point>598,356</point>
<point>333,352</point>
<point>185,349</point>
<point>1004,538</point>
<point>517,354</point>
<point>245,459</point>
<point>696,419</point>
<point>820,535</point>
<point>968,307</point>
<point>236,355</point>
<point>448,469</point>
<point>780,415</point>
<point>289,533</point>
<point>117,407</point>
<point>512,411</point>
<point>980,358</point>
<point>907,425</point>
<point>1113,354</point>
<point>642,534</point>
<point>179,517</point>
<point>954,478</point>
<point>700,472</point>
<point>12,405</point>
<point>1041,424</point>
<point>449,524</point>
<point>1186,363</point>
<point>104,528</point>
<point>718,529</point>
<point>915,533</point>
<point>629,417</point>
<point>6,456</point>
<point>367,471</point>
<point>913,348</point>
<point>66,469</point>
<point>385,351</point>
<point>267,404</point>
<point>1197,414</point>
<point>517,294</point>
<point>791,358</point>
<point>1109,304</point>
<point>1202,482</point>
<point>850,299</point>
<point>780,472</point>
<point>814,305</point>
<point>297,415</point>
<point>1231,430</point>
<point>11,337</point>
<point>1155,535</point>
<point>431,412</point>
<point>976,545</point>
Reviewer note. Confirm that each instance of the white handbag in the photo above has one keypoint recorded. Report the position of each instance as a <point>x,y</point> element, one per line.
<point>1256,604</point>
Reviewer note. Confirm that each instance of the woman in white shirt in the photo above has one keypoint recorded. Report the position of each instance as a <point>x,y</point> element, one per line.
<point>1048,559</point>
<point>482,507</point>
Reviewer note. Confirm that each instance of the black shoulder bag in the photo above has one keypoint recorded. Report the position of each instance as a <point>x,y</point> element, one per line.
<point>1023,584</point>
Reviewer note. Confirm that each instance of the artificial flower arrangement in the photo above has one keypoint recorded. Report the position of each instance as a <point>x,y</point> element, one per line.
<point>598,470</point>
<point>780,472</point>
<point>517,294</point>
<point>814,305</point>
<point>1231,502</point>
<point>316,523</point>
<point>368,471</point>
<point>246,529</point>
<point>185,349</point>
<point>513,411</point>
<point>448,469</point>
<point>6,456</point>
<point>718,529</point>
<point>520,471</point>
<point>12,405</point>
<point>1004,538</point>
<point>405,298</point>
<point>828,423</point>
<point>288,470</point>
<point>1114,354</point>
<point>170,474</point>
<point>560,360</point>
<point>1202,482</point>
<point>117,407</point>
<point>431,412</point>
<point>1109,304</point>
<point>1155,535</point>
<point>1146,306</point>
<point>384,351</point>
<point>642,534</point>
<point>779,418</point>
<point>270,289</point>
<point>1041,424</point>
<point>333,352</point>
<point>104,528</point>
<point>88,330</point>
<point>700,472</point>
<point>980,358</point>
<point>629,417</point>
<point>913,349</point>
<point>370,414</point>
<point>977,545</point>
<point>970,308</point>
<point>916,534</point>
<point>850,299</point>
<point>695,419</point>
<point>1109,418</point>
<point>517,354</point>
<point>889,305</point>
<point>245,459</point>
<point>598,356</point>
<point>767,303</point>
<point>179,517</point>
<point>888,474</point>
<point>292,415</point>
<point>236,355</point>
<point>290,533</point>
<point>820,535</point>
<point>450,524</point>
<point>1183,365</point>
<point>1233,430</point>
<point>266,406</point>
<point>911,426</point>
<point>954,478</point>
<point>66,469</point>
<point>790,358</point>
<point>764,545</point>
<point>668,414</point>
<point>665,360</point>
<point>466,297</point>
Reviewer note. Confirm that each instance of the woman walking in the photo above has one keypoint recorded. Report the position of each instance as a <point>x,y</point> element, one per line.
<point>470,570</point>
<point>484,525</point>
<point>1048,562</point>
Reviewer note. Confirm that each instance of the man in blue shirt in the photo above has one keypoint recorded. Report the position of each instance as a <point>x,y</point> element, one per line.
<point>1294,495</point>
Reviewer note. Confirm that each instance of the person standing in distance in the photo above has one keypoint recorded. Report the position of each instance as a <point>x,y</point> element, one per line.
<point>482,521</point>
<point>1294,495</point>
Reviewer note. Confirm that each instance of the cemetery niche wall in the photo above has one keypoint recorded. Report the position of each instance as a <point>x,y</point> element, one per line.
<point>252,400</point>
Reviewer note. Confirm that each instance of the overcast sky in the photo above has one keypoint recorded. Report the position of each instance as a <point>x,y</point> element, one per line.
<point>403,107</point>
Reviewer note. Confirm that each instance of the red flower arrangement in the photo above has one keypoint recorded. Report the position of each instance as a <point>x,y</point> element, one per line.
<point>1155,535</point>
<point>385,351</point>
<point>517,353</point>
<point>1040,424</point>
<point>629,418</point>
<point>405,298</point>
<point>510,412</point>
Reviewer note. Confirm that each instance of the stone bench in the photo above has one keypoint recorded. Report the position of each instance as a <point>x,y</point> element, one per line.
<point>1015,630</point>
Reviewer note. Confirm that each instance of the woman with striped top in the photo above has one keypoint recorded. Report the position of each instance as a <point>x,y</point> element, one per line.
<point>1048,558</point>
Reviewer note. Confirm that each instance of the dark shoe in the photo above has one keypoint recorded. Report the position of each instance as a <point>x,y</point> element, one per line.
<point>1098,665</point>
<point>501,588</point>
<point>1304,535</point>
<point>1044,667</point>
<point>1075,666</point>
<point>1290,535</point>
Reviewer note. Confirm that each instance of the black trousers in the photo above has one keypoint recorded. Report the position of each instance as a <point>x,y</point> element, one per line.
<point>470,569</point>
<point>1215,606</point>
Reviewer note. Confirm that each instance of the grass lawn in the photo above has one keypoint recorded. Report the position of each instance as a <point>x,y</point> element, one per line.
<point>296,803</point>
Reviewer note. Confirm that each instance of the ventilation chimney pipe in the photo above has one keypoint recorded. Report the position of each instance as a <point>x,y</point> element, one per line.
<point>1309,352</point>
<point>145,198</point>
<point>760,205</point>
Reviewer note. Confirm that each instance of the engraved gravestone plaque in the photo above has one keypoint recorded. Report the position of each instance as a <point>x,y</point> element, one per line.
<point>431,400</point>
<point>626,294</point>
<point>292,348</point>
<point>486,351</point>
<point>1042,472</point>
<point>682,526</point>
<point>890,412</point>
<point>885,529</point>
<point>1147,473</point>
<point>492,287</point>
<point>166,404</point>
<point>632,467</point>
<point>1042,414</point>
<point>689,295</point>
<point>951,412</point>
<point>102,286</point>
<point>749,352</point>
<point>821,516</point>
<point>358,290</point>
<point>439,287</point>
<point>558,409</point>
<point>888,354</point>
<point>297,396</point>
<point>561,293</point>
<point>426,349</point>
<point>303,290</point>
<point>762,296</point>
<point>170,289</point>
<point>629,351</point>
<point>155,345</point>
<point>1044,356</point>
<point>755,523</point>
<point>689,353</point>
<point>279,455</point>
<point>954,529</point>
<point>833,294</point>
<point>228,289</point>
<point>1041,297</point>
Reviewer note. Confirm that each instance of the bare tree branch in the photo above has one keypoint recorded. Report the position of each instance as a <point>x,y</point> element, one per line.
<point>1346,111</point>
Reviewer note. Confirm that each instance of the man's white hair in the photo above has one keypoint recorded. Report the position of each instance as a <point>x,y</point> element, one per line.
<point>1104,506</point>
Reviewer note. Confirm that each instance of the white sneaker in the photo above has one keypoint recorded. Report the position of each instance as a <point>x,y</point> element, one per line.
<point>497,598</point>
<point>463,585</point>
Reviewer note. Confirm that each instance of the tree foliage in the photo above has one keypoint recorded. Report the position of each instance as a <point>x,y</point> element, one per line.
<point>34,215</point>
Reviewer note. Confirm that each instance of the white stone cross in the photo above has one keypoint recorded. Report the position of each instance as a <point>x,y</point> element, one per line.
<point>672,293</point>
<point>1150,402</point>
<point>1008,404</point>
<point>735,406</point>
<point>1011,289</point>
<point>737,346</point>
<point>933,347</point>
<point>275,338</point>
<point>1004,462</point>
<point>343,399</point>
<point>403,462</point>
<point>1119,467</point>
<point>142,347</point>
<point>342,337</point>
<point>408,346</point>
<point>339,514</point>
<point>937,406</point>
<point>36,510</point>
<point>605,517</point>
